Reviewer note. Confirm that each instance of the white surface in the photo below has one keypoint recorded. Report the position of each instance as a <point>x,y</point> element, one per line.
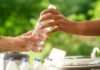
<point>37,66</point>
<point>46,65</point>
<point>2,61</point>
<point>57,54</point>
<point>12,66</point>
<point>25,66</point>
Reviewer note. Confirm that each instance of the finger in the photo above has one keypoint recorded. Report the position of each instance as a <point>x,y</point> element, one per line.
<point>46,16</point>
<point>53,11</point>
<point>48,24</point>
<point>50,16</point>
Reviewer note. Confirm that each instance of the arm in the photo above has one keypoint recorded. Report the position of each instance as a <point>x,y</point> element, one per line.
<point>88,28</point>
<point>18,43</point>
<point>12,44</point>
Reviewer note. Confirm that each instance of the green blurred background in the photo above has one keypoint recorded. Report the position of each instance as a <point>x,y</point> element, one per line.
<point>20,16</point>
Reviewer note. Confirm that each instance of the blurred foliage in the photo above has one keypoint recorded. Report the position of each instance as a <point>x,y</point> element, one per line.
<point>15,15</point>
<point>19,16</point>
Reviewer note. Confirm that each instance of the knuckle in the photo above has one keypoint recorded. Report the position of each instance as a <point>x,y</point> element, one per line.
<point>47,15</point>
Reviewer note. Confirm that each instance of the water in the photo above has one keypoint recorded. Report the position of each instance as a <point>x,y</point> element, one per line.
<point>12,65</point>
<point>47,64</point>
<point>40,35</point>
<point>37,64</point>
<point>25,65</point>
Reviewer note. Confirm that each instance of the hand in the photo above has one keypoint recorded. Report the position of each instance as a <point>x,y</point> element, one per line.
<point>29,40</point>
<point>21,43</point>
<point>60,23</point>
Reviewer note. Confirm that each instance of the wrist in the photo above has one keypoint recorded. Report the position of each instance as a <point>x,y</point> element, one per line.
<point>72,27</point>
<point>69,25</point>
<point>20,44</point>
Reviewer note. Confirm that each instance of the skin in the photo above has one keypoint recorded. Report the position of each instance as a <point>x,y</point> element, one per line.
<point>86,28</point>
<point>19,43</point>
<point>58,23</point>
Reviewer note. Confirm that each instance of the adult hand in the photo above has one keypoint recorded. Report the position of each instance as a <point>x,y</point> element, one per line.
<point>21,43</point>
<point>52,18</point>
<point>29,40</point>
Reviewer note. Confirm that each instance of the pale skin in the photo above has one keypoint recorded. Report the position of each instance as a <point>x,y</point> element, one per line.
<point>60,23</point>
<point>18,43</point>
